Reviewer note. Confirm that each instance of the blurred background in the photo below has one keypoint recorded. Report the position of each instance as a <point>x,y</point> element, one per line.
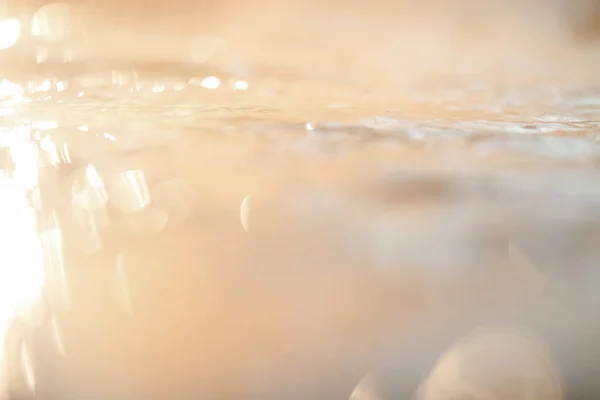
<point>381,41</point>
<point>294,199</point>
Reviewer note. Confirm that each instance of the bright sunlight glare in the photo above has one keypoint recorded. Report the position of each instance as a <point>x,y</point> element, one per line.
<point>22,273</point>
<point>10,32</point>
<point>21,268</point>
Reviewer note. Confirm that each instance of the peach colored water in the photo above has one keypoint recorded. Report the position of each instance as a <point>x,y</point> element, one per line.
<point>298,203</point>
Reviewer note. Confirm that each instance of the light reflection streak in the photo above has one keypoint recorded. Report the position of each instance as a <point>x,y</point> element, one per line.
<point>42,54</point>
<point>22,251</point>
<point>25,157</point>
<point>365,390</point>
<point>48,146</point>
<point>27,365</point>
<point>93,178</point>
<point>51,22</point>
<point>21,267</point>
<point>245,210</point>
<point>130,192</point>
<point>54,265</point>
<point>123,285</point>
<point>21,262</point>
<point>65,154</point>
<point>57,336</point>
